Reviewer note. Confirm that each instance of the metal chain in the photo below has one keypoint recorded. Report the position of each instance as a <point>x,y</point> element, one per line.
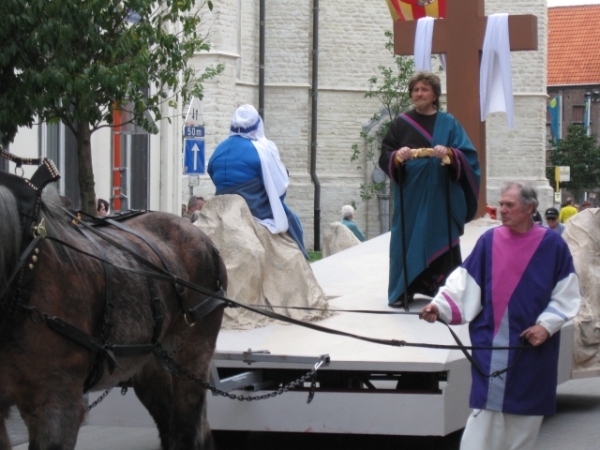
<point>98,400</point>
<point>293,384</point>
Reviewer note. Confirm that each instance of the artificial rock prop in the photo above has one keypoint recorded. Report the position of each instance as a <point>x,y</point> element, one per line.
<point>338,237</point>
<point>262,268</point>
<point>582,234</point>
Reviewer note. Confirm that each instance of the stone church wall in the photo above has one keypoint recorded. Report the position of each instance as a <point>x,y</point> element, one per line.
<point>351,47</point>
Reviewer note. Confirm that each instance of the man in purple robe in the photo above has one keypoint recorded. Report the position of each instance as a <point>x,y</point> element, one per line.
<point>518,287</point>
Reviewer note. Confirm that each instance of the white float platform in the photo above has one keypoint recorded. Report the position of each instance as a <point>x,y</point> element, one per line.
<point>356,278</point>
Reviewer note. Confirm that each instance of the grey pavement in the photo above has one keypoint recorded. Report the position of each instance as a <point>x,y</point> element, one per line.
<point>576,425</point>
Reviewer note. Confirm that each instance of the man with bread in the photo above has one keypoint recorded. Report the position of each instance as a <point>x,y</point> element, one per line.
<point>435,172</point>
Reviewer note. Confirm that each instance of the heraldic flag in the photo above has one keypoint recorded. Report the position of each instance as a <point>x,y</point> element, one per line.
<point>415,9</point>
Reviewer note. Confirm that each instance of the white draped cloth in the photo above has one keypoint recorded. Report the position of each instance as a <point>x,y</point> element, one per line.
<point>247,123</point>
<point>423,42</point>
<point>495,88</point>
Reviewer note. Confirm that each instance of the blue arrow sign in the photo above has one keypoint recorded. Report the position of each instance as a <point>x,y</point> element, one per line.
<point>194,156</point>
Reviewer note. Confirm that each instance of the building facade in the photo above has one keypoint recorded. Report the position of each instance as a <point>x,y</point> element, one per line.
<point>351,48</point>
<point>573,73</point>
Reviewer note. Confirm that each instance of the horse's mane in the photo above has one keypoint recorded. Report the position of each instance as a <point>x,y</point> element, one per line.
<point>10,234</point>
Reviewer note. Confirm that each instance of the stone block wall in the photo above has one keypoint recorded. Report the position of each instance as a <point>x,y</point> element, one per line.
<point>351,47</point>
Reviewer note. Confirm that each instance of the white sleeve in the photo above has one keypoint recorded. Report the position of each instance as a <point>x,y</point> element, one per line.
<point>459,301</point>
<point>563,305</point>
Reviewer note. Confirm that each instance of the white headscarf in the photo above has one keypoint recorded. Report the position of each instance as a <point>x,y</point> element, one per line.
<point>246,122</point>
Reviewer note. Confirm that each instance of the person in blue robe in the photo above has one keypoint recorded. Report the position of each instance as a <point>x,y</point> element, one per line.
<point>517,286</point>
<point>248,164</point>
<point>437,199</point>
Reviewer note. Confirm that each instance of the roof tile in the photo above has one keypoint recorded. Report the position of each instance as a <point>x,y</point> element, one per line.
<point>574,45</point>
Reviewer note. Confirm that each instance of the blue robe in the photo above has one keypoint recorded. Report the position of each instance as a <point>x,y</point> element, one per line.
<point>425,185</point>
<point>235,168</point>
<point>510,282</point>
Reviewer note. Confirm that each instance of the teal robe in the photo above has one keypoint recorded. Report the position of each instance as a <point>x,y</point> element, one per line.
<point>425,183</point>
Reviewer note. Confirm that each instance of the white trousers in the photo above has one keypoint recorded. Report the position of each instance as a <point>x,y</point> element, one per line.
<point>492,430</point>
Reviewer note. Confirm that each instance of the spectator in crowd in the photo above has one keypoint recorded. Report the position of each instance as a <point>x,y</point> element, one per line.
<point>552,222</point>
<point>567,211</point>
<point>194,204</point>
<point>347,216</point>
<point>102,207</point>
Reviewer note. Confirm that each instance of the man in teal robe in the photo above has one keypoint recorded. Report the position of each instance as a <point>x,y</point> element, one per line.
<point>438,199</point>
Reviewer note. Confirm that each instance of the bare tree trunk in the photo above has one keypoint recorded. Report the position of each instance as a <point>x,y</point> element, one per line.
<point>87,187</point>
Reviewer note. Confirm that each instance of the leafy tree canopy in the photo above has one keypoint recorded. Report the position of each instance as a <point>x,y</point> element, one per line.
<point>73,60</point>
<point>76,60</point>
<point>582,155</point>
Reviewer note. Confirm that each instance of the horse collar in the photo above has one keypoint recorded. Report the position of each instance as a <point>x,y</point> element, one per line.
<point>28,194</point>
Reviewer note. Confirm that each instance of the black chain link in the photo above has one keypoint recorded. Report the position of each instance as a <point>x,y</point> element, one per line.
<point>98,400</point>
<point>293,384</point>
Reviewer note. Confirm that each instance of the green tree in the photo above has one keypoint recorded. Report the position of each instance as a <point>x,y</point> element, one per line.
<point>390,87</point>
<point>80,61</point>
<point>582,155</point>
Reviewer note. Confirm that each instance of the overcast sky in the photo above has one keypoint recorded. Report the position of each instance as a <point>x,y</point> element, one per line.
<point>572,2</point>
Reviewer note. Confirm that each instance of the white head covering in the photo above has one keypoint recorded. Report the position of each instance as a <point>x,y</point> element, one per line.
<point>246,122</point>
<point>347,210</point>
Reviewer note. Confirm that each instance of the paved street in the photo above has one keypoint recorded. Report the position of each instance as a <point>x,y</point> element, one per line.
<point>576,425</point>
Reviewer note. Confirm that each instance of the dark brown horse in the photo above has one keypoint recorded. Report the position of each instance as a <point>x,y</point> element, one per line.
<point>44,372</point>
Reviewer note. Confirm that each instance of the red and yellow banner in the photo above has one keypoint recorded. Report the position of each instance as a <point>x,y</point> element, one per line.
<point>415,9</point>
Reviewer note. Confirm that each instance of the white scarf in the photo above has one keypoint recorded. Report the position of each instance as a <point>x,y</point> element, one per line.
<point>422,48</point>
<point>495,83</point>
<point>247,123</point>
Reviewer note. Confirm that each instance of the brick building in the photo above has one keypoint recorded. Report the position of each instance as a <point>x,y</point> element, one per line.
<point>574,67</point>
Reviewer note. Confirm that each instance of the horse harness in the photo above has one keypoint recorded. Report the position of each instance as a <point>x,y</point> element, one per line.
<point>28,194</point>
<point>20,283</point>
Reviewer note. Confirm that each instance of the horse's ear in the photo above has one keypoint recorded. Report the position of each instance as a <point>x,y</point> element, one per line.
<point>28,194</point>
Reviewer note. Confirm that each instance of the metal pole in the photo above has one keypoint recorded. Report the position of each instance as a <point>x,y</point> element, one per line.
<point>313,128</point>
<point>261,62</point>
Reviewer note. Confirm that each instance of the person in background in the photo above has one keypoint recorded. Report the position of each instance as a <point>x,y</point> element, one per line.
<point>438,199</point>
<point>537,217</point>
<point>194,204</point>
<point>518,284</point>
<point>102,207</point>
<point>585,205</point>
<point>248,164</point>
<point>567,211</point>
<point>552,222</point>
<point>347,216</point>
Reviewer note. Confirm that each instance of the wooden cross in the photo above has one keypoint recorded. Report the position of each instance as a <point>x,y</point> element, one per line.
<point>460,36</point>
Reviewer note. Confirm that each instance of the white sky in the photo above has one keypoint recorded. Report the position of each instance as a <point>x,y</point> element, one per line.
<point>572,2</point>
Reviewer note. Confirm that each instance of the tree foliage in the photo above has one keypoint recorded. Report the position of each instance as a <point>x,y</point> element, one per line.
<point>79,61</point>
<point>390,87</point>
<point>582,155</point>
